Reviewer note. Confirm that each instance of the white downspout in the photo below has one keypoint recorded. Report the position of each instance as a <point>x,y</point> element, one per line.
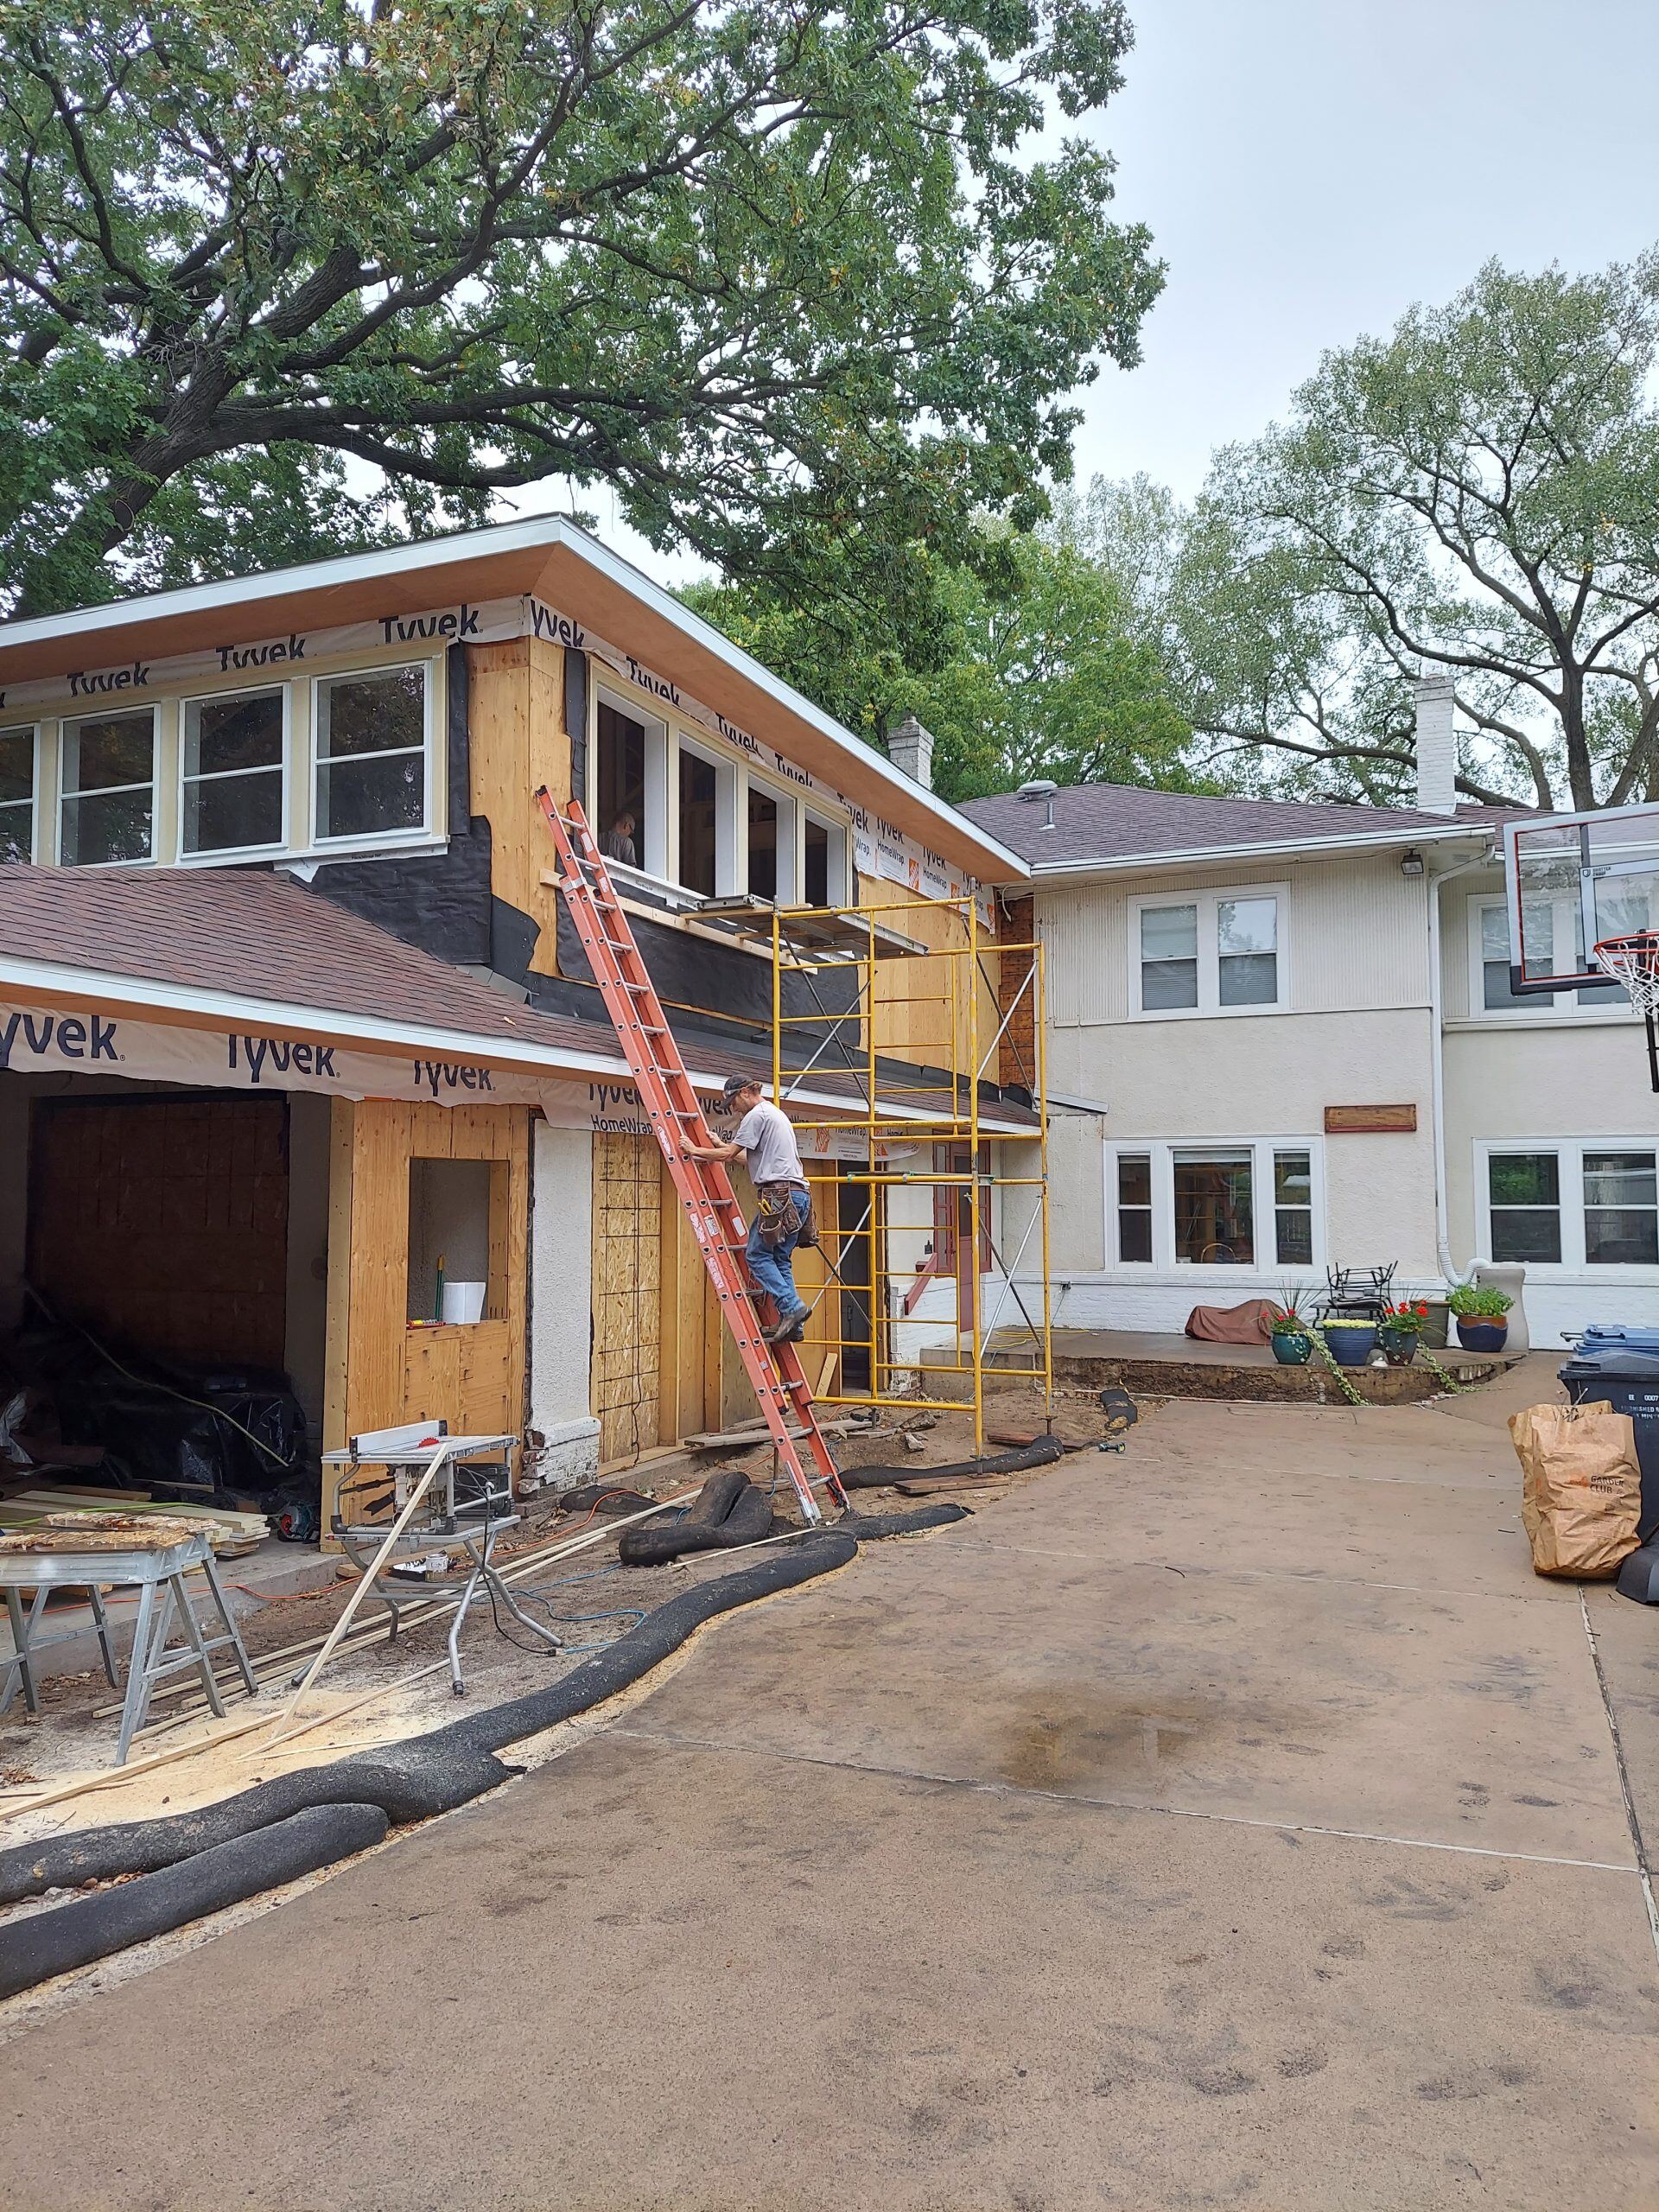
<point>1437,1056</point>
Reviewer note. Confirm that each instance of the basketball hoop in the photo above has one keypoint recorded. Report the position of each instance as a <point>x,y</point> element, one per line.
<point>1634,962</point>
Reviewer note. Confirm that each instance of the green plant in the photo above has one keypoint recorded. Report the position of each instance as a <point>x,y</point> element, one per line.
<point>1479,1302</point>
<point>1288,1320</point>
<point>1406,1318</point>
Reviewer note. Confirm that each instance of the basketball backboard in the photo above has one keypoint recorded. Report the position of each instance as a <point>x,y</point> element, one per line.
<point>1573,880</point>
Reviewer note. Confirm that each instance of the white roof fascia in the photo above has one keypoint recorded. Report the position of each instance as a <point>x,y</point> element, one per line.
<point>243,592</point>
<point>135,995</point>
<point>1274,848</point>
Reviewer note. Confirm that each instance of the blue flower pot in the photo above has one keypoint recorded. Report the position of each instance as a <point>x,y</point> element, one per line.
<point>1482,1336</point>
<point>1351,1341</point>
<point>1291,1348</point>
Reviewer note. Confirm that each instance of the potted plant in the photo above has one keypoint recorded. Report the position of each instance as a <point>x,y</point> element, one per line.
<point>1399,1329</point>
<point>1479,1311</point>
<point>1349,1338</point>
<point>1291,1337</point>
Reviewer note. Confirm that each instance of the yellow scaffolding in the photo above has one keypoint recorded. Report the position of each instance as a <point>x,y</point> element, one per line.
<point>887,988</point>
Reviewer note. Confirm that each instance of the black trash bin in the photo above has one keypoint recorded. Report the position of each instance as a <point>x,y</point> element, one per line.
<point>1622,1365</point>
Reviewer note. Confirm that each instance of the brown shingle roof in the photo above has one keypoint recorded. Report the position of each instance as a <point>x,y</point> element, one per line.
<point>258,936</point>
<point>1109,822</point>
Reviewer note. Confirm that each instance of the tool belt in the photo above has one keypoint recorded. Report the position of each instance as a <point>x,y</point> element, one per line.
<point>785,1210</point>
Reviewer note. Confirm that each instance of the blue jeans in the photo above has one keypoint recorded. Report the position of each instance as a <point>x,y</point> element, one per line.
<point>770,1266</point>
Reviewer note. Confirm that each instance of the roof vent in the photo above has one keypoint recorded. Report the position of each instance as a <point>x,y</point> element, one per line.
<point>1040,787</point>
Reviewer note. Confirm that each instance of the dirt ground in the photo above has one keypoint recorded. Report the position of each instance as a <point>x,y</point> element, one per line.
<point>1236,1822</point>
<point>379,1692</point>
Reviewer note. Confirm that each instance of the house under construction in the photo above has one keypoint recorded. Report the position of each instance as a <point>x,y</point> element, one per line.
<point>305,1079</point>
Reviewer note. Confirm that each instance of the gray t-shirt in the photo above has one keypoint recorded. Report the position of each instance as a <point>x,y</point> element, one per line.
<point>764,1133</point>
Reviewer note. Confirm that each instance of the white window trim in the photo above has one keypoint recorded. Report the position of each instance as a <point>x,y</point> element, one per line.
<point>786,798</point>
<point>841,836</point>
<point>429,828</point>
<point>1569,1153</point>
<point>35,764</point>
<point>1557,1006</point>
<point>1163,1262</point>
<point>109,790</point>
<point>223,853</point>
<point>666,738</point>
<point>1209,1008</point>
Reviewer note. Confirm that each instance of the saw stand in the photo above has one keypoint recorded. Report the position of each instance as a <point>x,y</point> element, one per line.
<point>466,1506</point>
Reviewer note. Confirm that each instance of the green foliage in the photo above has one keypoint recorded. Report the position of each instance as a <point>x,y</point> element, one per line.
<point>795,282</point>
<point>1479,1302</point>
<point>1021,665</point>
<point>1478,492</point>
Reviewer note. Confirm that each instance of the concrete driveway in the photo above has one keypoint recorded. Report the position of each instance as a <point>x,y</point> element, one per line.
<point>1235,1822</point>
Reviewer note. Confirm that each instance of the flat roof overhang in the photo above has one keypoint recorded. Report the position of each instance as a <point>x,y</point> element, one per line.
<point>551,560</point>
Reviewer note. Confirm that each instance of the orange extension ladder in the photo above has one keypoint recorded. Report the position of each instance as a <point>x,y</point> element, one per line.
<point>677,1120</point>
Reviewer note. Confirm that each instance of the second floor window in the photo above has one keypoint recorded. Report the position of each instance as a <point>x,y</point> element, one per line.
<point>109,788</point>
<point>370,745</point>
<point>1210,953</point>
<point>18,793</point>
<point>232,779</point>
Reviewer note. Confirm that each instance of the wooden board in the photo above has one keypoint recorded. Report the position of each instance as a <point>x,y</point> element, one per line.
<point>1371,1121</point>
<point>380,1370</point>
<point>162,1223</point>
<point>627,1251</point>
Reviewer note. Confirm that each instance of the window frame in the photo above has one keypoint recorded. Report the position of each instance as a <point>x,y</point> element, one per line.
<point>1569,1166</point>
<point>429,827</point>
<point>1536,1006</point>
<point>787,799</point>
<point>1208,902</point>
<point>283,844</point>
<point>840,834</point>
<point>36,760</point>
<point>1163,1261</point>
<point>730,798</point>
<point>68,722</point>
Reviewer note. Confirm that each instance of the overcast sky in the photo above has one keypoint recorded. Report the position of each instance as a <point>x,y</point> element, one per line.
<point>1309,168</point>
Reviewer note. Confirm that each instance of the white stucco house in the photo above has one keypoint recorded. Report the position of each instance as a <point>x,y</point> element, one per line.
<point>1282,1037</point>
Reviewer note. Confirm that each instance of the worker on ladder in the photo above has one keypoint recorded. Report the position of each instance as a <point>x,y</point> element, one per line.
<point>764,1140</point>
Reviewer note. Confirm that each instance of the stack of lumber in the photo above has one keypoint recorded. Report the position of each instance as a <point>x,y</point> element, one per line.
<point>232,1534</point>
<point>90,1533</point>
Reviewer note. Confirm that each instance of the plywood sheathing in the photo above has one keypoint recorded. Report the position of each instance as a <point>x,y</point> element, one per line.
<point>379,1370</point>
<point>628,1246</point>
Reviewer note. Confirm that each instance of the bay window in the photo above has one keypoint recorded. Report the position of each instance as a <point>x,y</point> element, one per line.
<point>1208,952</point>
<point>18,793</point>
<point>1573,1203</point>
<point>233,783</point>
<point>1252,1203</point>
<point>108,806</point>
<point>370,755</point>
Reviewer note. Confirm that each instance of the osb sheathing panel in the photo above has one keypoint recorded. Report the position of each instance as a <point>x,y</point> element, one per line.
<point>380,1371</point>
<point>517,742</point>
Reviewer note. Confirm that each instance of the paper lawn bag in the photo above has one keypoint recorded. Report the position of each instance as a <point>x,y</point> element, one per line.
<point>1581,1497</point>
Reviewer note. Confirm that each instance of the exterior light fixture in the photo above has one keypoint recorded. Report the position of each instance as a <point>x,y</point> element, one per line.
<point>1411,863</point>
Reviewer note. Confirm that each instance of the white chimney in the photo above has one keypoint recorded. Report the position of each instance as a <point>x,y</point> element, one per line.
<point>1437,746</point>
<point>910,747</point>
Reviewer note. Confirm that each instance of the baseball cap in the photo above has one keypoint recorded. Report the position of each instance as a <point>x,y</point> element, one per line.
<point>734,1083</point>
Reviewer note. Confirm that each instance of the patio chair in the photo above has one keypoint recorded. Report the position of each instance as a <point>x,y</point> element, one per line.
<point>1356,1293</point>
